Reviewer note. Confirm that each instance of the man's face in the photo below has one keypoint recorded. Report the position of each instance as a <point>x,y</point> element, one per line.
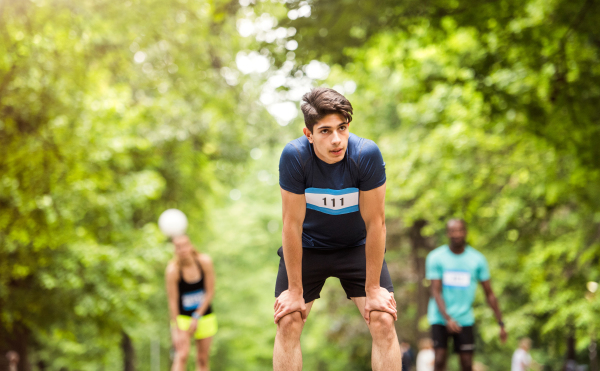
<point>330,138</point>
<point>457,233</point>
<point>183,246</point>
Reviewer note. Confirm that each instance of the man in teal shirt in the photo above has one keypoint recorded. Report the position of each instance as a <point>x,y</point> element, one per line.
<point>454,271</point>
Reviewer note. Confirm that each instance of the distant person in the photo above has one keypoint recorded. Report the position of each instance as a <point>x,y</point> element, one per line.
<point>408,356</point>
<point>454,271</point>
<point>426,355</point>
<point>190,289</point>
<point>13,360</point>
<point>333,196</point>
<point>521,360</point>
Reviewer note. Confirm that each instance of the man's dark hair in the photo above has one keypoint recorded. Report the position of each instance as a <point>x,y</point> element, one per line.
<point>321,102</point>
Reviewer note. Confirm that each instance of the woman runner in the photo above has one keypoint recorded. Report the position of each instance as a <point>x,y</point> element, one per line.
<point>190,289</point>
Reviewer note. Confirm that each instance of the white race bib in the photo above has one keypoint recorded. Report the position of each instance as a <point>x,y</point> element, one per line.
<point>332,201</point>
<point>458,279</point>
<point>192,300</point>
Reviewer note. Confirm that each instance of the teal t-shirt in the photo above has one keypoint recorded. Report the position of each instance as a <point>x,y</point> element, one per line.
<point>460,274</point>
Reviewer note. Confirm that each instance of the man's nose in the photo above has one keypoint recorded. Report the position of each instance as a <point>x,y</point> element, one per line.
<point>335,138</point>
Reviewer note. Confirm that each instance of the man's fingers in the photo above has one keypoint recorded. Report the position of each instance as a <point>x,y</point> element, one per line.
<point>281,312</point>
<point>303,314</point>
<point>393,312</point>
<point>278,316</point>
<point>367,315</point>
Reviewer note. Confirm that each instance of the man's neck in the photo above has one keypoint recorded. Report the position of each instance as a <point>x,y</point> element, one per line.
<point>458,249</point>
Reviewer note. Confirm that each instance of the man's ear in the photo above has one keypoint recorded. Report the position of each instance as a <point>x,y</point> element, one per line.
<point>308,134</point>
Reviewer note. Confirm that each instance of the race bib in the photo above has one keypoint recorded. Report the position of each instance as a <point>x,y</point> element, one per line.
<point>457,279</point>
<point>332,201</point>
<point>192,300</point>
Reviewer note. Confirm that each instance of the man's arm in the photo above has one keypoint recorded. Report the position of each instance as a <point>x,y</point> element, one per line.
<point>436,292</point>
<point>493,303</point>
<point>372,210</point>
<point>294,211</point>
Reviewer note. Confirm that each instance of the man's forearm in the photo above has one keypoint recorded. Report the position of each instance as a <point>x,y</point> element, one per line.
<point>292,255</point>
<point>374,251</point>
<point>439,300</point>
<point>493,303</point>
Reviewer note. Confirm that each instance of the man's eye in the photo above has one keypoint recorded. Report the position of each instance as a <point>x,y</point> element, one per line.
<point>323,131</point>
<point>342,128</point>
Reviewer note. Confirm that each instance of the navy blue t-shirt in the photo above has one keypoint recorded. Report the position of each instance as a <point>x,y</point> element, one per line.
<point>332,218</point>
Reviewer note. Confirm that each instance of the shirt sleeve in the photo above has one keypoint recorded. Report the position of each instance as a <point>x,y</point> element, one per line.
<point>433,271</point>
<point>372,167</point>
<point>291,174</point>
<point>483,273</point>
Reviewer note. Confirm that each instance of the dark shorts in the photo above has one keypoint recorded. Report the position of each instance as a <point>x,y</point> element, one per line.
<point>464,341</point>
<point>348,264</point>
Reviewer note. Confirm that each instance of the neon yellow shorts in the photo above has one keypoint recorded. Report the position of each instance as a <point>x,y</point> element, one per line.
<point>207,325</point>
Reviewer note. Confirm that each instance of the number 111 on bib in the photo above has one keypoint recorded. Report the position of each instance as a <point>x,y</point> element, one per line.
<point>332,202</point>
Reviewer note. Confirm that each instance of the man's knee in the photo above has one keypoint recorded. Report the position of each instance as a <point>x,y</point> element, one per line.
<point>290,325</point>
<point>382,324</point>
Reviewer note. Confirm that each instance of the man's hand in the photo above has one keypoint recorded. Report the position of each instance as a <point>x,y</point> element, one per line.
<point>193,326</point>
<point>289,302</point>
<point>453,326</point>
<point>382,301</point>
<point>503,334</point>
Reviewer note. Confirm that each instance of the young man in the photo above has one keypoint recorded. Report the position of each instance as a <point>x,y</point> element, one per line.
<point>454,271</point>
<point>333,192</point>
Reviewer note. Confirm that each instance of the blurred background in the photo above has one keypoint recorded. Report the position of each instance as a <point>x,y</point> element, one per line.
<point>113,111</point>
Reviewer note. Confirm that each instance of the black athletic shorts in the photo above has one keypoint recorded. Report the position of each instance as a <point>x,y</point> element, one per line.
<point>464,341</point>
<point>348,264</point>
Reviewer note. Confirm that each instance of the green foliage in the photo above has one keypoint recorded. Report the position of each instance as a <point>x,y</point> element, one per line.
<point>109,113</point>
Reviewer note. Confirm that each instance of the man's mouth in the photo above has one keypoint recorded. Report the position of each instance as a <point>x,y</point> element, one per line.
<point>338,151</point>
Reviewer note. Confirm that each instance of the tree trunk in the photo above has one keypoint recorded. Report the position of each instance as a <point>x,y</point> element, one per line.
<point>128,352</point>
<point>570,361</point>
<point>593,354</point>
<point>16,340</point>
<point>421,246</point>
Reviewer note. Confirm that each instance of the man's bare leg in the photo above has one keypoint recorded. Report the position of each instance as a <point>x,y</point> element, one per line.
<point>386,354</point>
<point>287,355</point>
<point>466,361</point>
<point>440,359</point>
